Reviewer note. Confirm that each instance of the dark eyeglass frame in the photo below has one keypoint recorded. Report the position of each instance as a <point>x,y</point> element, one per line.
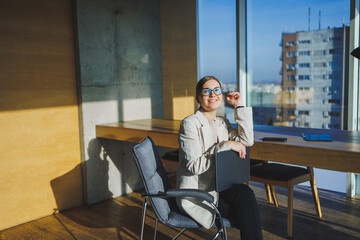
<point>207,91</point>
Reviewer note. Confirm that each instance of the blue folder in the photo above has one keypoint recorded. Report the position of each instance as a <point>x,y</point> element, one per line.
<point>317,137</point>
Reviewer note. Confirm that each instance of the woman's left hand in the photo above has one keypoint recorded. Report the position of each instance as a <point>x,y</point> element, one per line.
<point>237,147</point>
<point>234,99</point>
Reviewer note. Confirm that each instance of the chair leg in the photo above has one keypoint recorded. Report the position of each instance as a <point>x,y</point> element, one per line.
<point>155,231</point>
<point>315,192</point>
<point>143,219</point>
<point>179,234</point>
<point>290,210</point>
<point>268,193</point>
<point>273,194</point>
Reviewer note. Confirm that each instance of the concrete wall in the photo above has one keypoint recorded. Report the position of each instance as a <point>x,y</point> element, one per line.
<point>120,74</point>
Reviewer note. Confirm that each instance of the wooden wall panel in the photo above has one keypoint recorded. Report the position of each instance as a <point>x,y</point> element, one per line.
<point>39,145</point>
<point>179,57</point>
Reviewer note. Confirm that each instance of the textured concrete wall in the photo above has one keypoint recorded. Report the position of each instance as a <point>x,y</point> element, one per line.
<point>120,67</point>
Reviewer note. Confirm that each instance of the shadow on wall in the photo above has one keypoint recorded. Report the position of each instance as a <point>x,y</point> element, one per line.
<point>63,187</point>
<point>67,190</point>
<point>97,166</point>
<point>120,154</point>
<point>107,159</point>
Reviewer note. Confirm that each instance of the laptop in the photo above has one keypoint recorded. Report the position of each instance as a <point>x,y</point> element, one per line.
<point>231,169</point>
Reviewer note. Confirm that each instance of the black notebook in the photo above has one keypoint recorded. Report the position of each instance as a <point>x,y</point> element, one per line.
<point>317,137</point>
<point>231,169</point>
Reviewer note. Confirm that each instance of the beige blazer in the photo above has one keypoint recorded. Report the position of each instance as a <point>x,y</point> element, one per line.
<point>196,169</point>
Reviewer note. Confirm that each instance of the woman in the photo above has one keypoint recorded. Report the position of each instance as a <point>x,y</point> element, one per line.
<point>201,136</point>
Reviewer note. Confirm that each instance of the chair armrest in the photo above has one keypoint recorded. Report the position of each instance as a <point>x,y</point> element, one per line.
<point>184,193</point>
<point>190,193</point>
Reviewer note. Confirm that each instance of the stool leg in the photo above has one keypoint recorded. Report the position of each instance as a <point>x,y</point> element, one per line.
<point>273,194</point>
<point>290,210</point>
<point>268,193</point>
<point>315,192</point>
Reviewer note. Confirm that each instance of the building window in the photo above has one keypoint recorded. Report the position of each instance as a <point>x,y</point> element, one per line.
<point>291,54</point>
<point>304,42</point>
<point>304,65</point>
<point>304,112</point>
<point>291,89</point>
<point>291,77</point>
<point>304,53</point>
<point>291,112</point>
<point>290,66</point>
<point>304,77</point>
<point>291,43</point>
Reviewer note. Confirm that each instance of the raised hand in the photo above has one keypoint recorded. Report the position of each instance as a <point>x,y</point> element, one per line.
<point>234,99</point>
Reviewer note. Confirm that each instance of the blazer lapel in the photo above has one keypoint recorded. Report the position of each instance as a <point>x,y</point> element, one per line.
<point>205,130</point>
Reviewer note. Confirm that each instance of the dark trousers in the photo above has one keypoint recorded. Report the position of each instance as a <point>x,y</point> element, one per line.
<point>238,204</point>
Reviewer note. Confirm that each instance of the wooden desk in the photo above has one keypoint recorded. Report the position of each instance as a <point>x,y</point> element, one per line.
<point>343,154</point>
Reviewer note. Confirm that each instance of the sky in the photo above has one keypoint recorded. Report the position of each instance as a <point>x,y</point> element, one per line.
<point>267,20</point>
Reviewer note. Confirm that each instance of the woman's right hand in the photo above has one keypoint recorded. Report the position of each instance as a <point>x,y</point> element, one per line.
<point>237,147</point>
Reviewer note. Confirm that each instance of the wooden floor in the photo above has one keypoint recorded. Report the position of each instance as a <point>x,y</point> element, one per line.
<point>120,219</point>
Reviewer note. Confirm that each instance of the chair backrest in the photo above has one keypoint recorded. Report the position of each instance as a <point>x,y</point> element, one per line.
<point>154,177</point>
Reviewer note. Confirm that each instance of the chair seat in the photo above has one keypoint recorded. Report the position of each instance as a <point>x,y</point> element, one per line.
<point>172,156</point>
<point>278,172</point>
<point>254,162</point>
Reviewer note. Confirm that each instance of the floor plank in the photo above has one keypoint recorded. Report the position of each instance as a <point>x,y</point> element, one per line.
<point>120,219</point>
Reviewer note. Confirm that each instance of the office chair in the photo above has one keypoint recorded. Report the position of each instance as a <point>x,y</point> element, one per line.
<point>274,174</point>
<point>162,197</point>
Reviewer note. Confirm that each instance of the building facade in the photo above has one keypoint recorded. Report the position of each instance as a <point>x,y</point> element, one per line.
<point>313,78</point>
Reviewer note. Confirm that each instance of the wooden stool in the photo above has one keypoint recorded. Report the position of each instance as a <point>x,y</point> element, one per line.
<point>281,175</point>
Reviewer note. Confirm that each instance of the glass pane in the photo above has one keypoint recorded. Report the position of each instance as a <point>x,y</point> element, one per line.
<point>217,43</point>
<point>296,62</point>
<point>298,67</point>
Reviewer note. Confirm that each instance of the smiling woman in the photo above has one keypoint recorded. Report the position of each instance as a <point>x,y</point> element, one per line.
<point>201,136</point>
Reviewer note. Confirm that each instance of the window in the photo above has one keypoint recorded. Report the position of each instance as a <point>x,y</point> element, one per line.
<point>289,44</point>
<point>291,112</point>
<point>304,65</point>
<point>290,66</point>
<point>304,53</point>
<point>291,54</point>
<point>291,77</point>
<point>280,21</point>
<point>217,40</point>
<point>304,77</point>
<point>302,112</point>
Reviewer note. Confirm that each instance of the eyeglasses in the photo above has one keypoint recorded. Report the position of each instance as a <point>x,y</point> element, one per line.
<point>207,91</point>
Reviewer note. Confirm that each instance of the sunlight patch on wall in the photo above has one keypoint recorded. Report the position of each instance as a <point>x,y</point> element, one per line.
<point>183,106</point>
<point>134,109</point>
